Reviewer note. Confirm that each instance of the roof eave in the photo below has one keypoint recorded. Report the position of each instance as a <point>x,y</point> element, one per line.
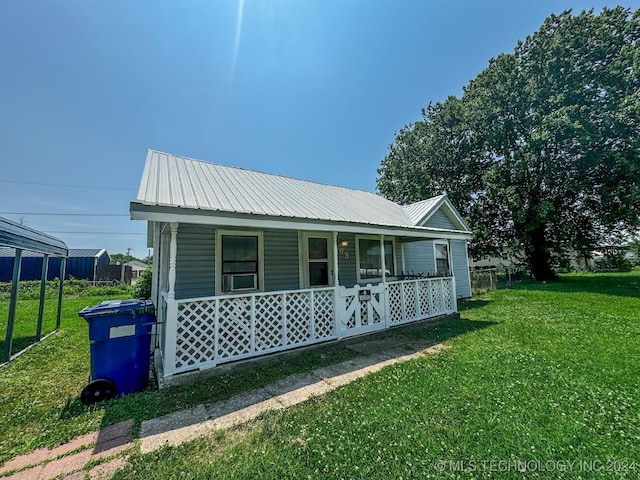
<point>160,213</point>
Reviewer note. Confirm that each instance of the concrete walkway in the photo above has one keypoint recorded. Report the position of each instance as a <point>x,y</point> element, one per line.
<point>110,444</point>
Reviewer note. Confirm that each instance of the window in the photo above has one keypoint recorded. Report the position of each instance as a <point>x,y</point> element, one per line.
<point>370,258</point>
<point>442,259</point>
<point>239,261</point>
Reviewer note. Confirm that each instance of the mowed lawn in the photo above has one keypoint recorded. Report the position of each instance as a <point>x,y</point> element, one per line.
<point>546,380</point>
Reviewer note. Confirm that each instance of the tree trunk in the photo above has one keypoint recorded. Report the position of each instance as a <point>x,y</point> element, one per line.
<point>538,256</point>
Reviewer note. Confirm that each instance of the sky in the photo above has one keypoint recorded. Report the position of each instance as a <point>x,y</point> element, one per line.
<point>310,89</point>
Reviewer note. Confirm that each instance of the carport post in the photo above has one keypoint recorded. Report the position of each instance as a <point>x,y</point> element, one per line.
<point>63,267</point>
<point>43,286</point>
<point>12,305</point>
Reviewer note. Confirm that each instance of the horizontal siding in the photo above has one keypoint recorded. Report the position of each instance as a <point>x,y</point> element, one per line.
<point>418,257</point>
<point>347,260</point>
<point>460,268</point>
<point>440,220</point>
<point>281,266</point>
<point>195,261</point>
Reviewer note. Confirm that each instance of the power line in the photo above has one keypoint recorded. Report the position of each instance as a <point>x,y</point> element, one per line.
<point>68,214</point>
<point>92,187</point>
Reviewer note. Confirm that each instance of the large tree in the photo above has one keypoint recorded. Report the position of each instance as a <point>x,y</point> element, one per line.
<point>542,150</point>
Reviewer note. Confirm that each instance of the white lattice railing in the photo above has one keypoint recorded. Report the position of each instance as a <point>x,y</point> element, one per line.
<point>214,330</point>
<point>203,332</point>
<point>411,300</point>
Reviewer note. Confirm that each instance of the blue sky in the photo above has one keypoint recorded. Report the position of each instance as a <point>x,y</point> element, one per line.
<point>312,89</point>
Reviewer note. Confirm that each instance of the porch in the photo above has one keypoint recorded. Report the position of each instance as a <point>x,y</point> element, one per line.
<point>204,332</point>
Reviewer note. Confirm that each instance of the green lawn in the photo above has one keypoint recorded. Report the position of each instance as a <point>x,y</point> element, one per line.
<point>39,390</point>
<point>541,372</point>
<point>546,373</point>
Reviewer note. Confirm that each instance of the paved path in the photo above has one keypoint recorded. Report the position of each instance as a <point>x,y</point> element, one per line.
<point>110,445</point>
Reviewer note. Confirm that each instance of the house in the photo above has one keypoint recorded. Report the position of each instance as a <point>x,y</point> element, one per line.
<point>82,263</point>
<point>247,263</point>
<point>137,267</point>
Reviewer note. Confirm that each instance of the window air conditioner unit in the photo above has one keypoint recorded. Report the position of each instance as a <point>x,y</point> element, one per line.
<point>239,281</point>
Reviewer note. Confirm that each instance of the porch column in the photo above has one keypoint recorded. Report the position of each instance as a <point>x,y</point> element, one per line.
<point>156,263</point>
<point>338,303</point>
<point>383,296</point>
<point>382,260</point>
<point>404,267</point>
<point>172,306</point>
<point>335,260</point>
<point>17,263</point>
<point>43,286</point>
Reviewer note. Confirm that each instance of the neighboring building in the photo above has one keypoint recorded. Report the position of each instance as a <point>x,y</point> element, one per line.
<point>246,263</point>
<point>82,263</point>
<point>137,267</point>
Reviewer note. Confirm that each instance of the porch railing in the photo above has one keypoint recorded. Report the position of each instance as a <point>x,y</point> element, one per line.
<point>214,330</point>
<point>411,300</point>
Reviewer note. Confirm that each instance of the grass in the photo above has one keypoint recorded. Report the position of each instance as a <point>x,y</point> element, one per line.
<point>39,391</point>
<point>553,378</point>
<point>540,372</point>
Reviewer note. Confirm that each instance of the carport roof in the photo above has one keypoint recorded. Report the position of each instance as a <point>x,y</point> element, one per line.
<point>14,235</point>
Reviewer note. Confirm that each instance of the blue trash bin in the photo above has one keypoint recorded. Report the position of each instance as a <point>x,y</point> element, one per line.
<point>120,346</point>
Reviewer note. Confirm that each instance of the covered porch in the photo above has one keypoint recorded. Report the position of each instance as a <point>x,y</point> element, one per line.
<point>201,332</point>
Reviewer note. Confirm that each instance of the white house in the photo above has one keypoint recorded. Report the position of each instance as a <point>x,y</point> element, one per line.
<point>247,263</point>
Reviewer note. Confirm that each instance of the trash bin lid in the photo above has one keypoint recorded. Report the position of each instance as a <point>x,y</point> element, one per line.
<point>113,307</point>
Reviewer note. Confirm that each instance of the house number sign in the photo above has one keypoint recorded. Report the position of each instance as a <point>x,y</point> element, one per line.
<point>364,295</point>
<point>343,253</point>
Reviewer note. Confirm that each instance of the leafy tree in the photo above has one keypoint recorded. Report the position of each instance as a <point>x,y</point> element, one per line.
<point>542,151</point>
<point>120,258</point>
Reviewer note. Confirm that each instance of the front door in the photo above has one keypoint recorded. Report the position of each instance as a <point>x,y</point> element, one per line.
<point>316,270</point>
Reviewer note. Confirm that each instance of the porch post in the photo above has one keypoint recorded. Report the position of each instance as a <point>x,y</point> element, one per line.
<point>338,304</point>
<point>336,281</point>
<point>156,263</point>
<point>17,263</point>
<point>404,267</point>
<point>383,295</point>
<point>382,260</point>
<point>172,306</point>
<point>43,286</point>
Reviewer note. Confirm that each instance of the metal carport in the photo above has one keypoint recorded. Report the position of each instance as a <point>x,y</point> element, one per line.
<point>23,238</point>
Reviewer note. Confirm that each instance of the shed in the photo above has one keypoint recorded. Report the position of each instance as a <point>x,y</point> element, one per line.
<point>82,263</point>
<point>247,263</point>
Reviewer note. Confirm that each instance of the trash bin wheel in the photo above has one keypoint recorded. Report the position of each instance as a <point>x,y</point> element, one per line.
<point>97,391</point>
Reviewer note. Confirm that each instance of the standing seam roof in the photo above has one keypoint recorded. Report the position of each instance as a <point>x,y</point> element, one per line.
<point>174,181</point>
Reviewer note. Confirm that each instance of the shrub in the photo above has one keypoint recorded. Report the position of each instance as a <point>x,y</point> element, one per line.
<point>142,288</point>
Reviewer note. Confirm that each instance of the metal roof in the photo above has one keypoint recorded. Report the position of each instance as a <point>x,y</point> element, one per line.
<point>419,210</point>
<point>18,236</point>
<point>179,182</point>
<point>86,252</point>
<point>73,252</point>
